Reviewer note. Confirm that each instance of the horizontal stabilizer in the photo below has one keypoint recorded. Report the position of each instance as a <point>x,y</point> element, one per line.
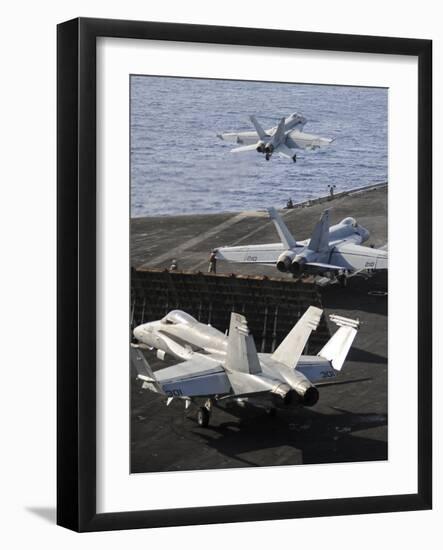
<point>244,148</point>
<point>284,151</point>
<point>290,350</point>
<point>337,348</point>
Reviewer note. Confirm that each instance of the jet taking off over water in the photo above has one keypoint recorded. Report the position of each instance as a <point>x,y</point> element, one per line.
<point>221,368</point>
<point>333,249</point>
<point>283,139</point>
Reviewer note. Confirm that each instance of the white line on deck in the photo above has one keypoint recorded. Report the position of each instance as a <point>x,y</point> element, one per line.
<point>175,252</point>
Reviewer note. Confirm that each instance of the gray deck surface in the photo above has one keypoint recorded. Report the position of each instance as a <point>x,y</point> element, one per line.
<point>349,423</point>
<point>155,242</point>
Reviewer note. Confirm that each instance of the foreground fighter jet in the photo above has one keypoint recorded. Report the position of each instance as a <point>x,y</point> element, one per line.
<point>283,139</point>
<point>331,249</point>
<point>220,368</point>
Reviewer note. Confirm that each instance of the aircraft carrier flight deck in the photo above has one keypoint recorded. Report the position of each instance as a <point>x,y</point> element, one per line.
<point>349,422</point>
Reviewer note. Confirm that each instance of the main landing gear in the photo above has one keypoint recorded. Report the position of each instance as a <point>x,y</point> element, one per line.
<point>294,158</point>
<point>267,156</point>
<point>342,279</point>
<point>204,414</point>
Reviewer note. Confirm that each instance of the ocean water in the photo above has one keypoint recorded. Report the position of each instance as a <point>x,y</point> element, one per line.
<point>179,166</point>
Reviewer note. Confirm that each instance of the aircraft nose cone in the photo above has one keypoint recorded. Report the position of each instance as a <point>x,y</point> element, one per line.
<point>364,233</point>
<point>138,332</point>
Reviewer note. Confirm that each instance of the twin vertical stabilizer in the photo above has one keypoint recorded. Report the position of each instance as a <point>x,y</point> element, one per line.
<point>241,354</point>
<point>320,236</point>
<point>319,241</point>
<point>289,351</point>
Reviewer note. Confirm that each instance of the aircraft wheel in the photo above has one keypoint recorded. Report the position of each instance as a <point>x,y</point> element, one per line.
<point>203,416</point>
<point>267,156</point>
<point>343,281</point>
<point>294,158</point>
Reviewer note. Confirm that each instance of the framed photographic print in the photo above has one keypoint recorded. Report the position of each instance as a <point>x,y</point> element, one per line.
<point>244,274</point>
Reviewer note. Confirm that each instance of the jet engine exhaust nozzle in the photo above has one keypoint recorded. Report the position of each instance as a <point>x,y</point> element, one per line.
<point>260,147</point>
<point>310,396</point>
<point>298,266</point>
<point>284,262</point>
<point>307,397</point>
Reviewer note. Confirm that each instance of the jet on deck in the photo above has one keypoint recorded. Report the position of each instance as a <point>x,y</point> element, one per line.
<point>218,368</point>
<point>333,249</point>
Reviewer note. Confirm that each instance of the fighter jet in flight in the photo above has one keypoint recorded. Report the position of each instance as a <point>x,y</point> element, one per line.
<point>283,139</point>
<point>219,368</point>
<point>335,249</point>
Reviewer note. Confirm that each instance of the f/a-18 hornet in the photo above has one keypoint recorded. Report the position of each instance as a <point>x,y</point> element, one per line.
<point>283,139</point>
<point>219,368</point>
<point>335,249</point>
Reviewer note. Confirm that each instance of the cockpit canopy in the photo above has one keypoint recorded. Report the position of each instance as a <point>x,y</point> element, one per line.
<point>350,221</point>
<point>298,117</point>
<point>177,317</point>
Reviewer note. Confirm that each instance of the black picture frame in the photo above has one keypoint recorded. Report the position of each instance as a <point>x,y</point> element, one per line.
<point>76,265</point>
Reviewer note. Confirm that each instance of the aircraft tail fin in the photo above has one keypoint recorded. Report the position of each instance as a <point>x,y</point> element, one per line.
<point>241,354</point>
<point>290,350</point>
<point>283,232</point>
<point>320,236</point>
<point>258,128</point>
<point>279,133</point>
<point>337,348</point>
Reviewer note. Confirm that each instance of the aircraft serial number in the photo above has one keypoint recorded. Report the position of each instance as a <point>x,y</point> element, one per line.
<point>251,258</point>
<point>174,393</point>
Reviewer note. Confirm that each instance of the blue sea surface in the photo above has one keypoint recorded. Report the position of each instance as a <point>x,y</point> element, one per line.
<point>179,166</point>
